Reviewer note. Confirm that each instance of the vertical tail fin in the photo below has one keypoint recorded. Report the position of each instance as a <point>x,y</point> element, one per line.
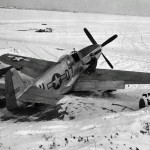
<point>14,88</point>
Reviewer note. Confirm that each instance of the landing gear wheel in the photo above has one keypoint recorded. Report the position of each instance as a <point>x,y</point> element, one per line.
<point>141,103</point>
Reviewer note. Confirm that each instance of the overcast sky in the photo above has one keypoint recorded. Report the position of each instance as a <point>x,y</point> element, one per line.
<point>129,7</point>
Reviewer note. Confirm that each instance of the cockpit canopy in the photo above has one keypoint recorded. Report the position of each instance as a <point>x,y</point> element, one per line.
<point>63,57</point>
<point>70,59</point>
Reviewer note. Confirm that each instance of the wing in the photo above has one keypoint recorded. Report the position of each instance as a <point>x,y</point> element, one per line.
<point>29,66</point>
<point>104,79</point>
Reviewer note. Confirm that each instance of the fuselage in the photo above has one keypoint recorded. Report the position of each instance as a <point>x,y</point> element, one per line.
<point>61,77</point>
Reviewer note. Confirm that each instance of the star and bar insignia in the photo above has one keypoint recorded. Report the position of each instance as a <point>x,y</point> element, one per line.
<point>18,58</point>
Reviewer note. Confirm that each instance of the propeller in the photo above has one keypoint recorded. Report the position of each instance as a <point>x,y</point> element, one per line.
<point>89,36</point>
<point>108,62</point>
<point>102,45</point>
<point>109,40</point>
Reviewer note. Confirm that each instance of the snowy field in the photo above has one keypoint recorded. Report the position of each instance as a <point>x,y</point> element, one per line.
<point>93,121</point>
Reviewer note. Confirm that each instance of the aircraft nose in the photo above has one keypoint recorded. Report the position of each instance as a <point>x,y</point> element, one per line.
<point>87,50</point>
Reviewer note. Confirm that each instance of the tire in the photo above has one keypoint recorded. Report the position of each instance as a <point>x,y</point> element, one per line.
<point>142,103</point>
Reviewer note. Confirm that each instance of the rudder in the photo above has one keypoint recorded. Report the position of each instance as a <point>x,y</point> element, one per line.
<point>14,87</point>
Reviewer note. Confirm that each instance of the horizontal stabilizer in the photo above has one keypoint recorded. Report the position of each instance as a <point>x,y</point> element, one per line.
<point>37,95</point>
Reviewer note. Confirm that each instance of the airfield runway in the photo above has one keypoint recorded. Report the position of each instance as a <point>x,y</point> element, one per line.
<point>110,121</point>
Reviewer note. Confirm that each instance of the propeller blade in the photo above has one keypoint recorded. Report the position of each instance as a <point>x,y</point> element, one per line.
<point>111,66</point>
<point>109,40</point>
<point>90,36</point>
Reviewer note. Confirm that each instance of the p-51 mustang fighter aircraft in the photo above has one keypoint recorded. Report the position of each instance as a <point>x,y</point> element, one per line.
<point>54,79</point>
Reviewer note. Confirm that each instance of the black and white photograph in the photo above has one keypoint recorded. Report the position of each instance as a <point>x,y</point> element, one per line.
<point>74,74</point>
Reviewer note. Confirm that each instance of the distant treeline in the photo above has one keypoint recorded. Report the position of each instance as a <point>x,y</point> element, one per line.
<point>122,7</point>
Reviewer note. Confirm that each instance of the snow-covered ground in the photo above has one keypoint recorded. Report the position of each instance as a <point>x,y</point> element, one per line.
<point>92,121</point>
<point>120,131</point>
